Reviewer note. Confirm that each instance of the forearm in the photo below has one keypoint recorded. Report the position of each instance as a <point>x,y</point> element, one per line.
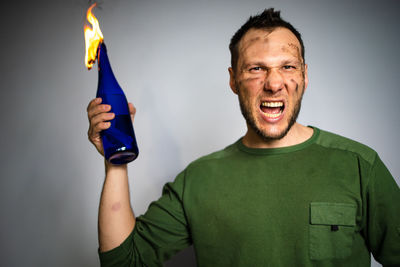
<point>116,218</point>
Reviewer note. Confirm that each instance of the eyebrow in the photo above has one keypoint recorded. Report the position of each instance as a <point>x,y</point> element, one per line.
<point>291,61</point>
<point>257,63</point>
<point>294,61</point>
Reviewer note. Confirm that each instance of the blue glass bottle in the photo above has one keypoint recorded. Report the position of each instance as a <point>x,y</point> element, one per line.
<point>119,141</point>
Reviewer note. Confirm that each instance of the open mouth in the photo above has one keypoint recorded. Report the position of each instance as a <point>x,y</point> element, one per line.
<point>272,109</point>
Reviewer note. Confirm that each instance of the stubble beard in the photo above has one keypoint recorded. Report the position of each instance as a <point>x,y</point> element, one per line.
<point>251,121</point>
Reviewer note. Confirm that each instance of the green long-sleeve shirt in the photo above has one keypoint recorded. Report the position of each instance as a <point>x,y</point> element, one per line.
<point>328,201</point>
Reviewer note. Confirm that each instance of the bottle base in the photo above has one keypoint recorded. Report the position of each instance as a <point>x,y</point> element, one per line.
<point>122,157</point>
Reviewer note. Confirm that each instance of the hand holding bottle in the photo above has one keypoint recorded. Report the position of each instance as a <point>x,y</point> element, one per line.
<point>99,116</point>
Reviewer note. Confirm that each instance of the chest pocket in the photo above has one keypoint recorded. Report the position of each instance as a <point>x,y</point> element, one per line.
<point>331,230</point>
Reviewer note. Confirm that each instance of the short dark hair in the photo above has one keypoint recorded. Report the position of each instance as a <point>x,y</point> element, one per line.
<point>269,19</point>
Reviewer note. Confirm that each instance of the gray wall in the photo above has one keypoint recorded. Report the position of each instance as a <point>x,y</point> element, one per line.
<point>171,58</point>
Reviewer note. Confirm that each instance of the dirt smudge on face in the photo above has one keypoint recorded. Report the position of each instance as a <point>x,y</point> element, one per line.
<point>292,49</point>
<point>294,82</point>
<point>251,37</point>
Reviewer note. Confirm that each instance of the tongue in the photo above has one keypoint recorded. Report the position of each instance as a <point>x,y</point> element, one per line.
<point>271,110</point>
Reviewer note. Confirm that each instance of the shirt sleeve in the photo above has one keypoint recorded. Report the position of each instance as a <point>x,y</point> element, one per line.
<point>383,215</point>
<point>158,234</point>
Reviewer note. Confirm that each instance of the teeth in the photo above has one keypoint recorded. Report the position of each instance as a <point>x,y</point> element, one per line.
<point>272,104</point>
<point>272,115</point>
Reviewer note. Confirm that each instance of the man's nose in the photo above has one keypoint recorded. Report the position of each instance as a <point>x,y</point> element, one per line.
<point>273,81</point>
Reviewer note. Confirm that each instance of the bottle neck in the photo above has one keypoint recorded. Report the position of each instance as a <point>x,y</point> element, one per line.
<point>107,81</point>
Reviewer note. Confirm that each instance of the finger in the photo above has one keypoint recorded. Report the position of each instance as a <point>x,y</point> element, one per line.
<point>94,110</point>
<point>100,118</point>
<point>93,102</point>
<point>98,124</point>
<point>94,132</point>
<point>97,116</point>
<point>132,111</point>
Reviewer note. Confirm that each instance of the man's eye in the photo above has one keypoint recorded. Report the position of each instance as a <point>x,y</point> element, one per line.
<point>255,69</point>
<point>289,67</point>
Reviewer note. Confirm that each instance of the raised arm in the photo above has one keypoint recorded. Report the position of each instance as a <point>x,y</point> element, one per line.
<point>116,219</point>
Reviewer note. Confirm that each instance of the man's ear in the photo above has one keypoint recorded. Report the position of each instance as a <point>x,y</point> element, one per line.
<point>232,82</point>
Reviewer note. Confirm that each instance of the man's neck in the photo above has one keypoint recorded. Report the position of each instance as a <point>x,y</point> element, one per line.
<point>297,134</point>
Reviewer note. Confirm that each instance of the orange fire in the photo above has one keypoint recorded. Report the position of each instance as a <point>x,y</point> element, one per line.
<point>93,37</point>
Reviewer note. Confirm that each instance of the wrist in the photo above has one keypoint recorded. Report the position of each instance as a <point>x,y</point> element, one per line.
<point>109,167</point>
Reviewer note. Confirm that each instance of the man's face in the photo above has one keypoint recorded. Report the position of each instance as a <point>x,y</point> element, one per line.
<point>270,79</point>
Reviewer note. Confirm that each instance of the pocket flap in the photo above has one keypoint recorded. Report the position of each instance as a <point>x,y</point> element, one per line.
<point>327,213</point>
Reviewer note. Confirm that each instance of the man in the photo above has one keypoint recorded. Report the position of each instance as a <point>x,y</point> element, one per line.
<point>283,195</point>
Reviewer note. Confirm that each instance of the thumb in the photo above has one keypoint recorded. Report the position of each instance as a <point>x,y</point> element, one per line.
<point>132,111</point>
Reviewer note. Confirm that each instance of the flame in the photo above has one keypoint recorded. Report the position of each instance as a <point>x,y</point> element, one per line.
<point>93,37</point>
